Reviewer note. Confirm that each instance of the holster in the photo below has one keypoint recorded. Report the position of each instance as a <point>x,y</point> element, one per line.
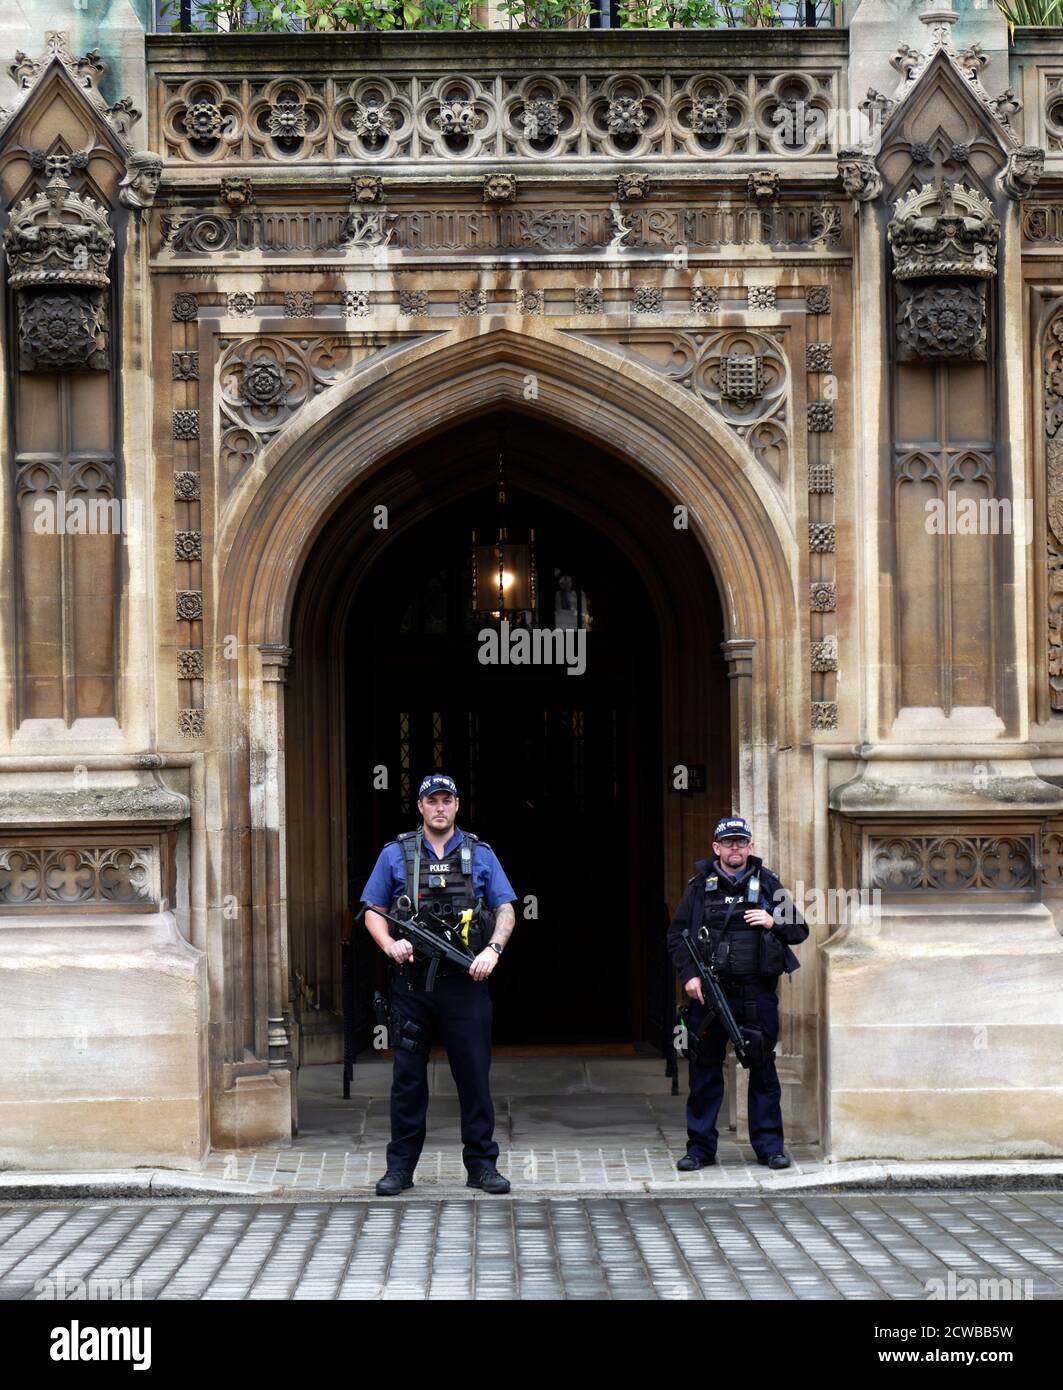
<point>410,1036</point>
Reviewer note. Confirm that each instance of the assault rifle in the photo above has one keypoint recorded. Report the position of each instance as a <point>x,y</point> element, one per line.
<point>719,1004</point>
<point>439,945</point>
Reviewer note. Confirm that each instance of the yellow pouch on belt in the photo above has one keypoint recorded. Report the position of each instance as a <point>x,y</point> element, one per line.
<point>466,920</point>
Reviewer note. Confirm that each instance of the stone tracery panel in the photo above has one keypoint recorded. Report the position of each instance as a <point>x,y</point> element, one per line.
<point>952,863</point>
<point>463,116</point>
<point>702,362</point>
<point>77,876</point>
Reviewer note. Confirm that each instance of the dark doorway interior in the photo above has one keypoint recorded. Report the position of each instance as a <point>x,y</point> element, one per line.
<point>569,778</point>
<point>561,773</point>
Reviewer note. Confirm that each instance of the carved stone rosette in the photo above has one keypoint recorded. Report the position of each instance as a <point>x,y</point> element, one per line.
<point>58,249</point>
<point>944,243</point>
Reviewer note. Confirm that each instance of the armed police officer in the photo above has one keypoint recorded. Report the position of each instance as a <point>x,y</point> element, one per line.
<point>744,923</point>
<point>456,880</point>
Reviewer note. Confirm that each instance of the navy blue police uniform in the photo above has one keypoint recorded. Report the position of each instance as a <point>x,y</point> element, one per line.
<point>749,962</point>
<point>462,889</point>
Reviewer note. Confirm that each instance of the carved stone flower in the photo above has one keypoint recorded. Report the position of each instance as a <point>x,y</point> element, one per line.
<point>921,152</point>
<point>263,383</point>
<point>626,116</point>
<point>372,121</point>
<point>708,116</point>
<point>457,117</point>
<point>58,330</point>
<point>822,595</point>
<point>203,121</point>
<point>947,321</point>
<point>188,545</point>
<point>541,118</point>
<point>287,120</point>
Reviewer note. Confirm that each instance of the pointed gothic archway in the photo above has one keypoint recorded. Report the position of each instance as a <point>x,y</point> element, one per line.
<point>278,523</point>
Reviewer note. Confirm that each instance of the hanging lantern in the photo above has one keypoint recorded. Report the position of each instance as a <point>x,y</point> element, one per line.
<point>503,571</point>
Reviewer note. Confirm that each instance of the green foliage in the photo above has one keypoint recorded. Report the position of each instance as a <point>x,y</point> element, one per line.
<point>700,14</point>
<point>1044,13</point>
<point>283,16</point>
<point>547,14</point>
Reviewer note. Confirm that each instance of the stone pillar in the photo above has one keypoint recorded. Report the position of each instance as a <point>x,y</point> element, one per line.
<point>267,830</point>
<point>738,653</point>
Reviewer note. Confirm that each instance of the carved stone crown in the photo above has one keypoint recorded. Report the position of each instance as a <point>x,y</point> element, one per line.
<point>58,237</point>
<point>944,231</point>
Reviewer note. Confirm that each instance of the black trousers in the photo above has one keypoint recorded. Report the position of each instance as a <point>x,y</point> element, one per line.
<point>457,1013</point>
<point>707,1084</point>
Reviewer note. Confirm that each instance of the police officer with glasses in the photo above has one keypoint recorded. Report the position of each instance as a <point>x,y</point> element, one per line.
<point>750,922</point>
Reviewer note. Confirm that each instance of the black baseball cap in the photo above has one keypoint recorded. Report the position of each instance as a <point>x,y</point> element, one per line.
<point>437,782</point>
<point>732,828</point>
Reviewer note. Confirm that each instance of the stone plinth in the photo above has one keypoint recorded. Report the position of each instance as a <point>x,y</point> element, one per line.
<point>944,1034</point>
<point>103,1051</point>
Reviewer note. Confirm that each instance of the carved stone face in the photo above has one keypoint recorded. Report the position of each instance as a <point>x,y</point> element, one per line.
<point>141,183</point>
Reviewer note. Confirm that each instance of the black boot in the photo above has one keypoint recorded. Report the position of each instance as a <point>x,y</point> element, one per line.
<point>393,1182</point>
<point>489,1180</point>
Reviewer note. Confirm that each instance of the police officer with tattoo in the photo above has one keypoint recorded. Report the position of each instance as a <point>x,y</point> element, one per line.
<point>749,922</point>
<point>452,877</point>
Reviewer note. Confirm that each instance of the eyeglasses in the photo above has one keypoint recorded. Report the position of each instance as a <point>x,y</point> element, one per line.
<point>735,844</point>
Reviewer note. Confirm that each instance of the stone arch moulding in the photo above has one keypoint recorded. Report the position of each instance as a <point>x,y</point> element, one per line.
<point>271,523</point>
<point>273,517</point>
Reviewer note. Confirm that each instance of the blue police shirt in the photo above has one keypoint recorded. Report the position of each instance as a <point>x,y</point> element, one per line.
<point>388,879</point>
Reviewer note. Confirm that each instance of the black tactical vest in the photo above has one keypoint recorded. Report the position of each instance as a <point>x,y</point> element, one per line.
<point>733,944</point>
<point>444,888</point>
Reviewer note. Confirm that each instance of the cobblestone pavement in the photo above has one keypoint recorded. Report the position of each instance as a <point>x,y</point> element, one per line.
<point>853,1246</point>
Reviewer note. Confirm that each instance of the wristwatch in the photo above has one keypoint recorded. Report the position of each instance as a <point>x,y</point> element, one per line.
<point>495,947</point>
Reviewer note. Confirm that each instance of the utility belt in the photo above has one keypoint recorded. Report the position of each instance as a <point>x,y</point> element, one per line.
<point>414,974</point>
<point>748,986</point>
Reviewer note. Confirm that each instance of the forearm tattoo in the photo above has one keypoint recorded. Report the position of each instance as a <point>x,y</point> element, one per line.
<point>504,923</point>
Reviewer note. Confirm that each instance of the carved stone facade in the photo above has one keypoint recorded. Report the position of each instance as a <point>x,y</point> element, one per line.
<point>778,357</point>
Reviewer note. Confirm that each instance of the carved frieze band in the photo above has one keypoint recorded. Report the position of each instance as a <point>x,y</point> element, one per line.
<point>188,547</point>
<point>953,863</point>
<point>463,116</point>
<point>475,227</point>
<point>821,386</point>
<point>78,876</point>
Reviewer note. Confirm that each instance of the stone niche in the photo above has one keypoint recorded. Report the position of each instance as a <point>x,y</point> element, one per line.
<point>944,241</point>
<point>58,247</point>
